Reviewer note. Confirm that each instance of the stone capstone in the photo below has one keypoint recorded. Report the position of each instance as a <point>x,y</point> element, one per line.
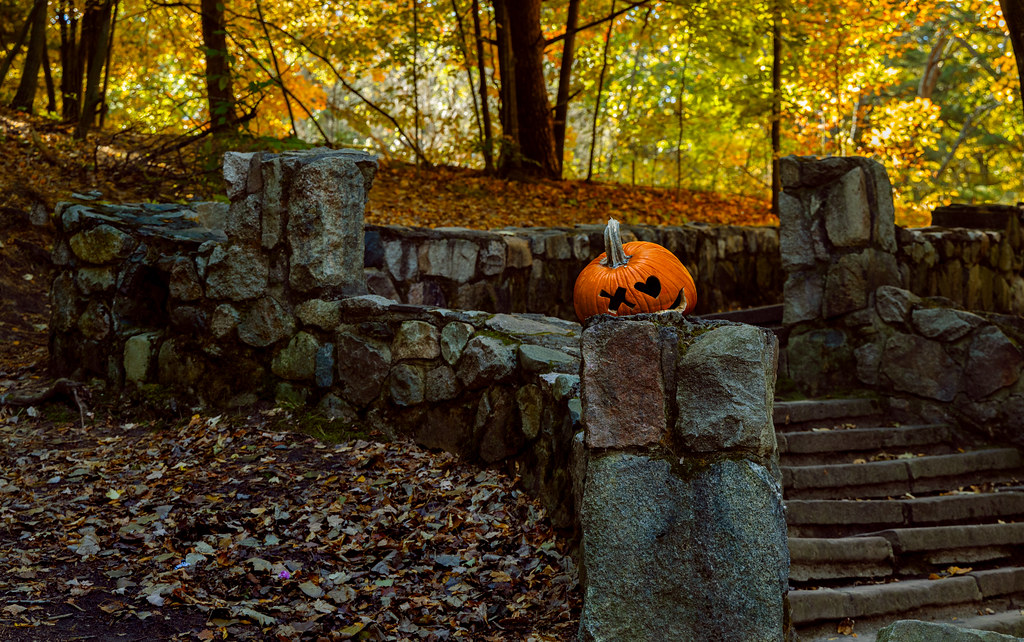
<point>326,200</point>
<point>696,540</point>
<point>847,213</point>
<point>535,358</point>
<point>624,405</point>
<point>725,386</point>
<point>297,360</point>
<point>486,360</point>
<point>102,244</point>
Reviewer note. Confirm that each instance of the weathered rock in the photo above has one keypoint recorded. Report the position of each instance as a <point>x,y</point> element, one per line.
<point>183,282</point>
<point>416,340</point>
<point>622,385</point>
<point>725,384</point>
<point>519,253</point>
<point>441,384</point>
<point>406,384</point>
<point>265,322</point>
<point>95,322</point>
<point>944,324</point>
<point>177,365</point>
<point>326,199</point>
<point>325,315</point>
<point>530,401</point>
<point>102,244</point>
<point>323,372</point>
<point>993,362</point>
<point>188,319</point>
<point>362,367</point>
<point>401,260</point>
<point>377,282</point>
<point>847,213</point>
<point>919,366</point>
<point>492,258</point>
<point>803,296</point>
<point>893,304</point>
<point>453,259</point>
<point>662,552</point>
<point>494,423</point>
<point>453,340</point>
<point>236,172</point>
<point>297,360</point>
<point>526,326</point>
<point>95,279</point>
<point>794,234</point>
<point>236,273</point>
<point>918,631</point>
<point>428,293</point>
<point>486,360</point>
<point>535,358</point>
<point>139,356</point>
<point>223,321</point>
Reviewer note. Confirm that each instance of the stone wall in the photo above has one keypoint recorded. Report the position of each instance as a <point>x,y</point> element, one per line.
<point>852,322</point>
<point>534,269</point>
<point>275,309</point>
<point>683,530</point>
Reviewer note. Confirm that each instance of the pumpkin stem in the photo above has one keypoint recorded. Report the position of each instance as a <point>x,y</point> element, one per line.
<point>615,256</point>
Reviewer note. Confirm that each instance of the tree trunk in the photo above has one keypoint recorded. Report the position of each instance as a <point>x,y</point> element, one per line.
<point>564,81</point>
<point>535,123</point>
<point>597,103</point>
<point>1013,13</point>
<point>932,67</point>
<point>93,49</point>
<point>776,103</point>
<point>220,98</point>
<point>70,62</point>
<point>19,40</point>
<point>26,94</point>
<point>510,158</point>
<point>51,91</point>
<point>488,141</point>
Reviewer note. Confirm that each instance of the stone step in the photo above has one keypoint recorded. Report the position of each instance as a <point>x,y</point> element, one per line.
<point>787,413</point>
<point>816,613</point>
<point>843,445</point>
<point>842,517</point>
<point>902,552</point>
<point>921,550</point>
<point>900,477</point>
<point>1006,622</point>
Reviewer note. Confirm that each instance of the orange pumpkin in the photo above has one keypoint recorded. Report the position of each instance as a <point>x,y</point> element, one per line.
<point>631,279</point>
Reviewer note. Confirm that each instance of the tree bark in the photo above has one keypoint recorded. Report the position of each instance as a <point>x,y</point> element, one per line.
<point>510,158</point>
<point>220,98</point>
<point>536,126</point>
<point>564,81</point>
<point>19,40</point>
<point>597,102</point>
<point>93,45</point>
<point>485,112</point>
<point>26,94</point>
<point>1013,13</point>
<point>776,103</point>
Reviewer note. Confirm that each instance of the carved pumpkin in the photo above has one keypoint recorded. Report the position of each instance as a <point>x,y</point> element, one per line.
<point>631,279</point>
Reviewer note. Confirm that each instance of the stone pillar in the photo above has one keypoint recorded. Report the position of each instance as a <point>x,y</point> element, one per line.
<point>838,245</point>
<point>304,210</point>
<point>683,531</point>
<point>837,235</point>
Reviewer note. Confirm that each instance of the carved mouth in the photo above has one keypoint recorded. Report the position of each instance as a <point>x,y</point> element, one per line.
<point>680,303</point>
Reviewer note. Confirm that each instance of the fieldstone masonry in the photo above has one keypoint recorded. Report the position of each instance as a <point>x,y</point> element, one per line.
<point>683,531</point>
<point>853,322</point>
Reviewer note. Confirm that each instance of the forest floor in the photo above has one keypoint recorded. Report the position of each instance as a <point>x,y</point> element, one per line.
<point>121,523</point>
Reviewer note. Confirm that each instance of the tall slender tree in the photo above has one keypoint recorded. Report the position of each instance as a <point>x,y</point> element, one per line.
<point>219,95</point>
<point>25,97</point>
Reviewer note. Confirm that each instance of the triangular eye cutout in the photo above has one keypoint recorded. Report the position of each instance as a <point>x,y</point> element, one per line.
<point>651,288</point>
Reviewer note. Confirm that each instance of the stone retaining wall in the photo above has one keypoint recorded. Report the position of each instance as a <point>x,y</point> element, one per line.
<point>534,269</point>
<point>853,323</point>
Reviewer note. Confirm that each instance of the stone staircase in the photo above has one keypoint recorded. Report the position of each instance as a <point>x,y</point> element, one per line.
<point>890,522</point>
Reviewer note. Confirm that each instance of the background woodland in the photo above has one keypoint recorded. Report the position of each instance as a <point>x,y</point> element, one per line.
<point>676,95</point>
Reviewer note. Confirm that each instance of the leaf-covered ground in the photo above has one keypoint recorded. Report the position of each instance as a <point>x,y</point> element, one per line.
<point>232,528</point>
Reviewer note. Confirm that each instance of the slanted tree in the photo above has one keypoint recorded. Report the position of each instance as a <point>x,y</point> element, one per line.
<point>1013,14</point>
<point>25,97</point>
